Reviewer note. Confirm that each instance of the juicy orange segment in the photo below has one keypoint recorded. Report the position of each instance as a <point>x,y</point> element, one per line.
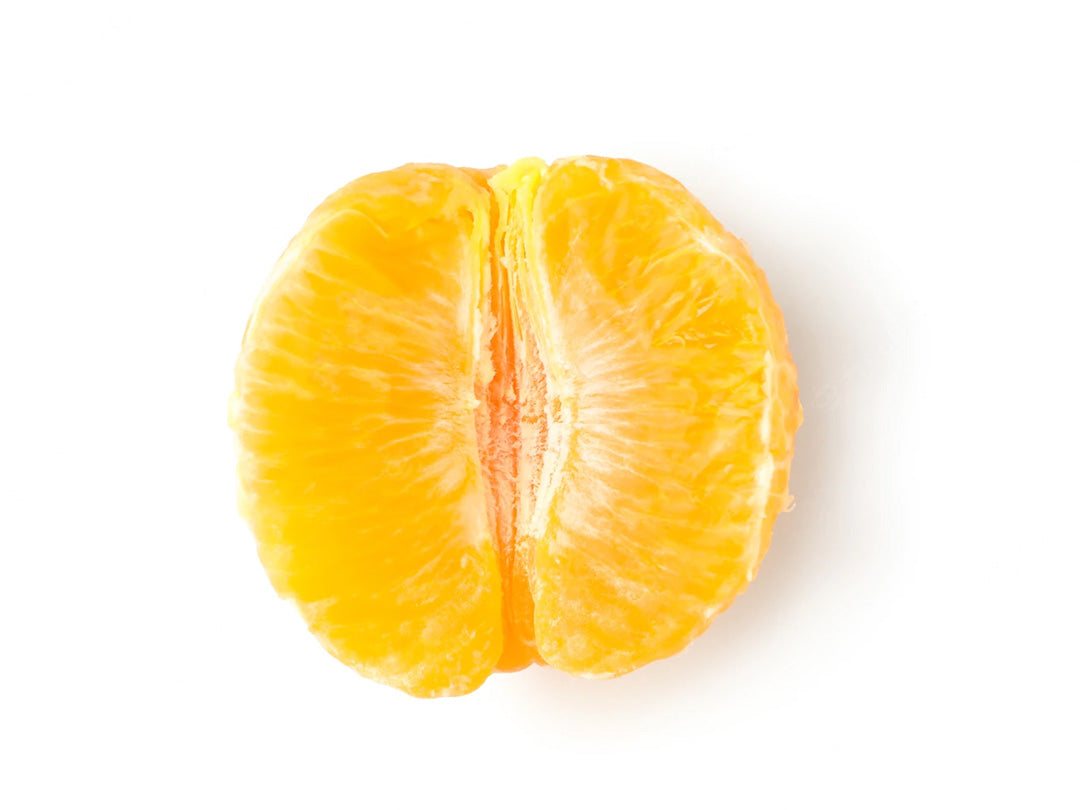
<point>671,383</point>
<point>354,409</point>
<point>537,414</point>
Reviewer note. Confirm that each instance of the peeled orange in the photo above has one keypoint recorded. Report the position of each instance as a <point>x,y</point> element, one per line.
<point>540,414</point>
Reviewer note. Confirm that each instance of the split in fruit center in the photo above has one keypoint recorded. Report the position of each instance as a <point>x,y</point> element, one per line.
<point>537,414</point>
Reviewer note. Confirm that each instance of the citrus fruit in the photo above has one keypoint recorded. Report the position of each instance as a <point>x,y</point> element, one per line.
<point>537,414</point>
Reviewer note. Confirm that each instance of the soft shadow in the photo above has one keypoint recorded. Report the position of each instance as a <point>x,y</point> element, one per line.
<point>845,342</point>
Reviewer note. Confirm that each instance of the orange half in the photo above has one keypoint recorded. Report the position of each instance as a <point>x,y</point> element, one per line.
<point>538,414</point>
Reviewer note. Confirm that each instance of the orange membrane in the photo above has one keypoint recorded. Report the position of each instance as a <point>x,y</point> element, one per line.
<point>511,429</point>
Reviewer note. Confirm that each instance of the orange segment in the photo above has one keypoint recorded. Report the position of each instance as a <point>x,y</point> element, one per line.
<point>355,412</point>
<point>673,405</point>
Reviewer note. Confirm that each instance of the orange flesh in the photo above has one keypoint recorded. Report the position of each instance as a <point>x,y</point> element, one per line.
<point>542,414</point>
<point>511,429</point>
<point>499,418</point>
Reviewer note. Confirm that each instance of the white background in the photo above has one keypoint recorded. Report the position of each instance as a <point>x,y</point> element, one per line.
<point>906,174</point>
